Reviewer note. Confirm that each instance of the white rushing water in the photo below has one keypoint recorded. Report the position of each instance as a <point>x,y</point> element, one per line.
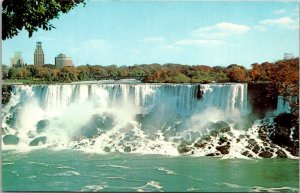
<point>124,117</point>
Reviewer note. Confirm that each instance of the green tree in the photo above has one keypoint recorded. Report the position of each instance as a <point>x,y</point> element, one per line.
<point>4,71</point>
<point>12,73</point>
<point>32,14</point>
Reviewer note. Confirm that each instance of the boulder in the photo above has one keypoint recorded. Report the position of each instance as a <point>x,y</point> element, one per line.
<point>222,140</point>
<point>127,149</point>
<point>265,154</point>
<point>6,93</point>
<point>256,149</point>
<point>106,149</point>
<point>184,147</point>
<point>37,141</point>
<point>41,125</point>
<point>281,154</point>
<point>287,120</point>
<point>200,144</point>
<point>247,154</point>
<point>221,126</point>
<point>94,125</point>
<point>281,136</point>
<point>11,140</point>
<point>223,149</point>
<point>213,154</point>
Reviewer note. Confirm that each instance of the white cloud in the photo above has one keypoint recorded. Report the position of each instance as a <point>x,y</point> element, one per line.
<point>220,30</point>
<point>154,39</point>
<point>201,42</point>
<point>280,11</point>
<point>283,22</point>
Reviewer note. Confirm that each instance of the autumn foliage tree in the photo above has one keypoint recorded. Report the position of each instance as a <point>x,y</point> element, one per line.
<point>285,78</point>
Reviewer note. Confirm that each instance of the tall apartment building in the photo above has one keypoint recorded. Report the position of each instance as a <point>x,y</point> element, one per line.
<point>62,60</point>
<point>39,55</point>
<point>17,60</point>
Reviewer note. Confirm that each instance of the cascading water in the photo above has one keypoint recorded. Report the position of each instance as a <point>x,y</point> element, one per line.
<point>123,117</point>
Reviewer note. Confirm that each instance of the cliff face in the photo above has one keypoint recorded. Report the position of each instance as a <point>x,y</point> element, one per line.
<point>6,93</point>
<point>259,100</point>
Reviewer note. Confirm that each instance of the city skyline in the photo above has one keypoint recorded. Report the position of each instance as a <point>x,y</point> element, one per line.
<point>205,33</point>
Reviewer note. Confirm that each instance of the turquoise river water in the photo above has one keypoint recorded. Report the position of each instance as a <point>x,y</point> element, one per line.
<point>73,170</point>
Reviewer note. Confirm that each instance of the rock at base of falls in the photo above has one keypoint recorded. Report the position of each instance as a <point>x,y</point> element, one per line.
<point>11,140</point>
<point>184,147</point>
<point>38,141</point>
<point>41,125</point>
<point>127,149</point>
<point>220,126</point>
<point>6,93</point>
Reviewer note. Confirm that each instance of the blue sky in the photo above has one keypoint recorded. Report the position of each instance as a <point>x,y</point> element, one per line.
<point>196,32</point>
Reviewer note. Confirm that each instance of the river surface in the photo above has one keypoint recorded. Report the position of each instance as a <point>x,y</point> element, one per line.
<point>71,170</point>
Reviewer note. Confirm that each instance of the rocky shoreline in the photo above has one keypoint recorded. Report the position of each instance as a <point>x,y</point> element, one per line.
<point>277,138</point>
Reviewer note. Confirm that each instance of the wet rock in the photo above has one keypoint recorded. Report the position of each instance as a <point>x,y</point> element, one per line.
<point>287,120</point>
<point>281,154</point>
<point>106,149</point>
<point>294,151</point>
<point>247,154</point>
<point>11,140</point>
<point>265,154</point>
<point>221,126</point>
<point>94,126</point>
<point>281,136</point>
<point>223,139</point>
<point>206,138</point>
<point>6,93</point>
<point>11,120</point>
<point>184,147</point>
<point>242,136</point>
<point>230,134</point>
<point>252,142</point>
<point>256,149</point>
<point>213,133</point>
<point>38,141</point>
<point>127,149</point>
<point>200,144</point>
<point>41,125</point>
<point>213,154</point>
<point>223,149</point>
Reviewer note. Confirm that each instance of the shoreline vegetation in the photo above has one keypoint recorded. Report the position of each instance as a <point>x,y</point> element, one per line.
<point>153,73</point>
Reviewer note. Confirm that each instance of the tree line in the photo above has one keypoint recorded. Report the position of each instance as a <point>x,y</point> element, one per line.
<point>283,71</point>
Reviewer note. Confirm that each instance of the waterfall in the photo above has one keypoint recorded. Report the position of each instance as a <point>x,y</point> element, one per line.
<point>118,113</point>
<point>181,97</point>
<point>282,106</point>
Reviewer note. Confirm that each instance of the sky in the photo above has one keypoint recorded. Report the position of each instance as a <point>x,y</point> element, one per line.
<point>187,32</point>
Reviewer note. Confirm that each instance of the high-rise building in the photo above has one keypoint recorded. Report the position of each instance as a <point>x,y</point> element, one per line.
<point>17,60</point>
<point>62,60</point>
<point>38,54</point>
